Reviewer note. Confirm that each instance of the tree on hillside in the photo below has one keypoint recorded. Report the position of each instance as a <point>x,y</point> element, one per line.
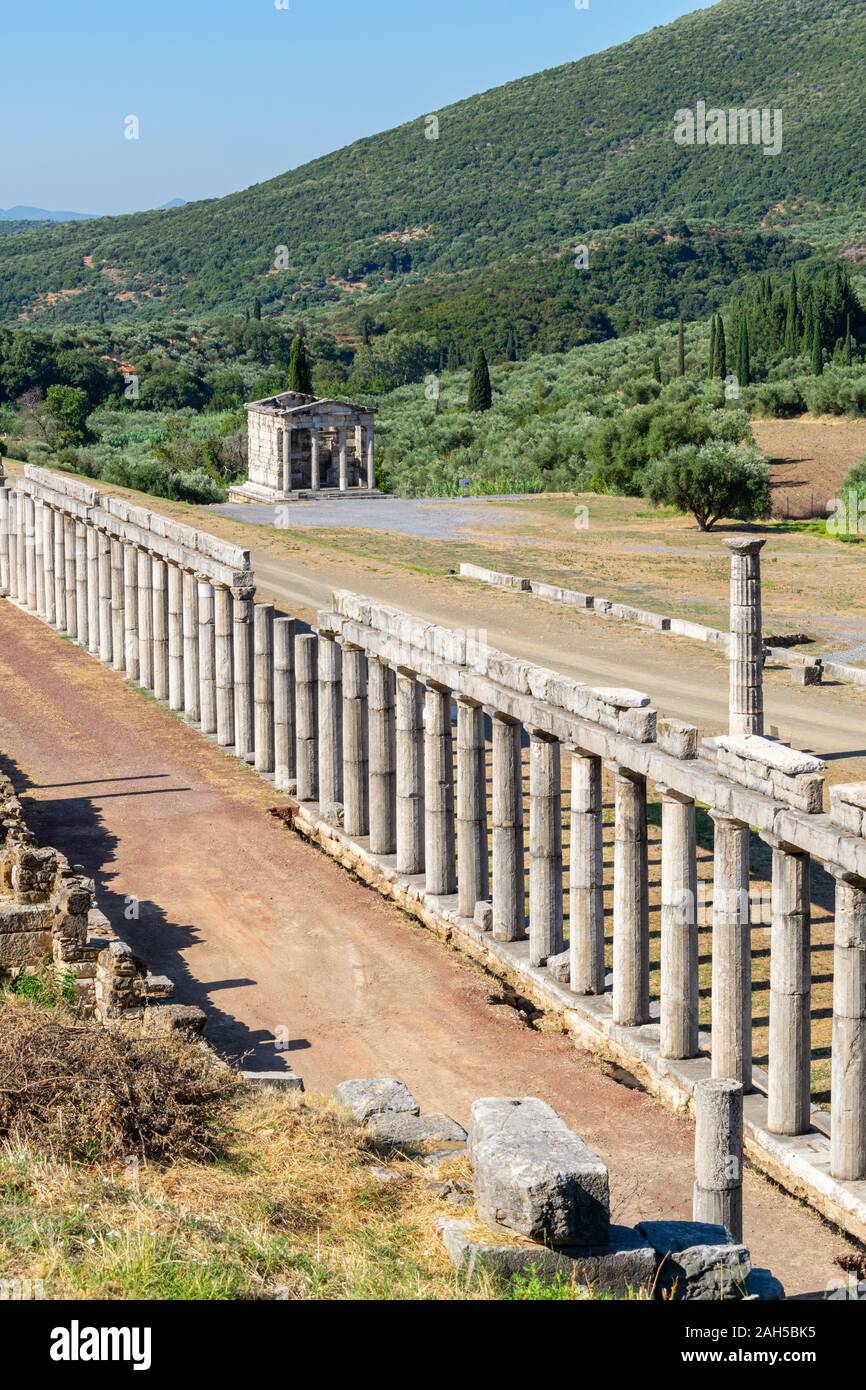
<point>817,351</point>
<point>257,308</point>
<point>714,331</point>
<point>681,348</point>
<point>300,374</point>
<point>711,481</point>
<point>480,389</point>
<point>721,351</point>
<point>792,318</point>
<point>69,408</point>
<point>744,357</point>
<point>657,368</point>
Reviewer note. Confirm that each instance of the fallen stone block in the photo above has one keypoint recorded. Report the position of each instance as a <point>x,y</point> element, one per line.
<point>273,1080</point>
<point>810,673</point>
<point>534,1175</point>
<point>175,1018</point>
<point>848,807</point>
<point>401,1128</point>
<point>677,738</point>
<point>376,1096</point>
<point>698,1262</point>
<point>484,915</point>
<point>559,967</point>
<point>626,1262</point>
<point>764,1287</point>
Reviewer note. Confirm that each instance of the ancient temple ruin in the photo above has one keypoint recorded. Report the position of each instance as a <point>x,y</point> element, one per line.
<point>303,445</point>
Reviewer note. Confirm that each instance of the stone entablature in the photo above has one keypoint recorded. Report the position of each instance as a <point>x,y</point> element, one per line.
<point>301,443</point>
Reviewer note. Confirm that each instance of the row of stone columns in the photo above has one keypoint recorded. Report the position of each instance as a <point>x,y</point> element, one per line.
<point>364,453</point>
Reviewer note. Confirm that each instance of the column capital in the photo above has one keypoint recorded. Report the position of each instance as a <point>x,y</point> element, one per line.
<point>725,818</point>
<point>620,770</point>
<point>777,842</point>
<point>671,794</point>
<point>745,545</point>
<point>243,593</point>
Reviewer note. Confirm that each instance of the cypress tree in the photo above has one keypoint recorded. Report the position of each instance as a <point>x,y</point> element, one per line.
<point>657,368</point>
<point>300,375</point>
<point>792,319</point>
<point>817,352</point>
<point>681,348</point>
<point>744,360</point>
<point>714,329</point>
<point>721,351</point>
<point>257,308</point>
<point>480,390</point>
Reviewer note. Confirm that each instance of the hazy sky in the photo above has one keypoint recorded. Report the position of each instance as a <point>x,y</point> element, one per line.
<point>230,92</point>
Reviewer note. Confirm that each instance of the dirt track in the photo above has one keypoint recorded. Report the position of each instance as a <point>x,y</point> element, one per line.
<point>266,933</point>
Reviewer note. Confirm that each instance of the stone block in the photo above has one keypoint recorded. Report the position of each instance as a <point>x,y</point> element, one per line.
<point>559,967</point>
<point>376,1096</point>
<point>698,1262</point>
<point>534,1175</point>
<point>848,807</point>
<point>764,1287</point>
<point>626,1262</point>
<point>677,738</point>
<point>809,673</point>
<point>484,916</point>
<point>639,724</point>
<point>175,1018</point>
<point>273,1080</point>
<point>401,1128</point>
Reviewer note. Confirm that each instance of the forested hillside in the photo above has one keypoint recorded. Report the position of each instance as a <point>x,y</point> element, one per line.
<point>521,171</point>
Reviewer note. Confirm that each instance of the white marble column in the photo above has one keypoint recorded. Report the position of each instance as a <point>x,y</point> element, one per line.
<point>731,952</point>
<point>48,522</point>
<point>586,876</point>
<point>747,645</point>
<point>81,584</point>
<point>4,537</point>
<point>409,722</point>
<point>21,548</point>
<point>439,844</point>
<point>130,612</point>
<point>225,679</point>
<point>287,458</point>
<point>790,1046</point>
<point>848,1092</point>
<point>30,551</point>
<point>284,704</point>
<point>356,755</point>
<point>159,586</point>
<point>381,700</point>
<point>207,658</point>
<point>69,570</point>
<point>191,669</point>
<point>175,638</point>
<point>39,555</point>
<point>343,446</point>
<point>104,565</point>
<point>472,852</point>
<point>118,631</point>
<point>679,928</point>
<point>92,542</point>
<point>12,541</point>
<point>263,686</point>
<point>718,1192</point>
<point>509,889</point>
<point>630,900</point>
<point>371,456</point>
<point>242,622</point>
<point>315,447</point>
<point>307,715</point>
<point>330,725</point>
<point>545,848</point>
<point>144,589</point>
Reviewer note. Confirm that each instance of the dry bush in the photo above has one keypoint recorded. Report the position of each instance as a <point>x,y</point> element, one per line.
<point>78,1090</point>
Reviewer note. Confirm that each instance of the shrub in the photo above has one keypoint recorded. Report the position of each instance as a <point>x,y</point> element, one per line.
<point>779,399</point>
<point>711,481</point>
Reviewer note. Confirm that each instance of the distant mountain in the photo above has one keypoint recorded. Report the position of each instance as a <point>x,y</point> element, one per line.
<point>525,171</point>
<point>25,214</point>
<point>172,203</point>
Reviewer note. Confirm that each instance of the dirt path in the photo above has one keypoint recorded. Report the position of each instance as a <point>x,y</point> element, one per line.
<point>267,934</point>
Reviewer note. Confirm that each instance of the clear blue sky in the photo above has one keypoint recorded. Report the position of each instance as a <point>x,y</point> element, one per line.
<point>230,92</point>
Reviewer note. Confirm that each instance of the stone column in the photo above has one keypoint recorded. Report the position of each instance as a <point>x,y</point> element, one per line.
<point>39,556</point>
<point>175,637</point>
<point>263,685</point>
<point>356,757</point>
<point>81,590</point>
<point>130,611</point>
<point>509,889</point>
<point>287,458</point>
<point>718,1191</point>
<point>343,446</point>
<point>472,872</point>
<point>545,848</point>
<point>144,589</point>
<point>284,704</point>
<point>586,876</point>
<point>71,581</point>
<point>848,1093</point>
<point>206,658</point>
<point>4,538</point>
<point>330,725</point>
<point>732,952</point>
<point>21,548</point>
<point>307,715</point>
<point>30,551</point>
<point>242,621</point>
<point>104,563</point>
<point>789,1094</point>
<point>678,1036</point>
<point>630,899</point>
<point>118,631</point>
<point>225,679</point>
<point>12,541</point>
<point>371,457</point>
<point>92,541</point>
<point>191,666</point>
<point>439,847</point>
<point>315,445</point>
<point>747,644</point>
<point>383,757</point>
<point>60,571</point>
<point>48,522</point>
<point>409,722</point>
<point>159,583</point>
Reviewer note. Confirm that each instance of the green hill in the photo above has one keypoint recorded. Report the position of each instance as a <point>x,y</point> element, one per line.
<point>526,170</point>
